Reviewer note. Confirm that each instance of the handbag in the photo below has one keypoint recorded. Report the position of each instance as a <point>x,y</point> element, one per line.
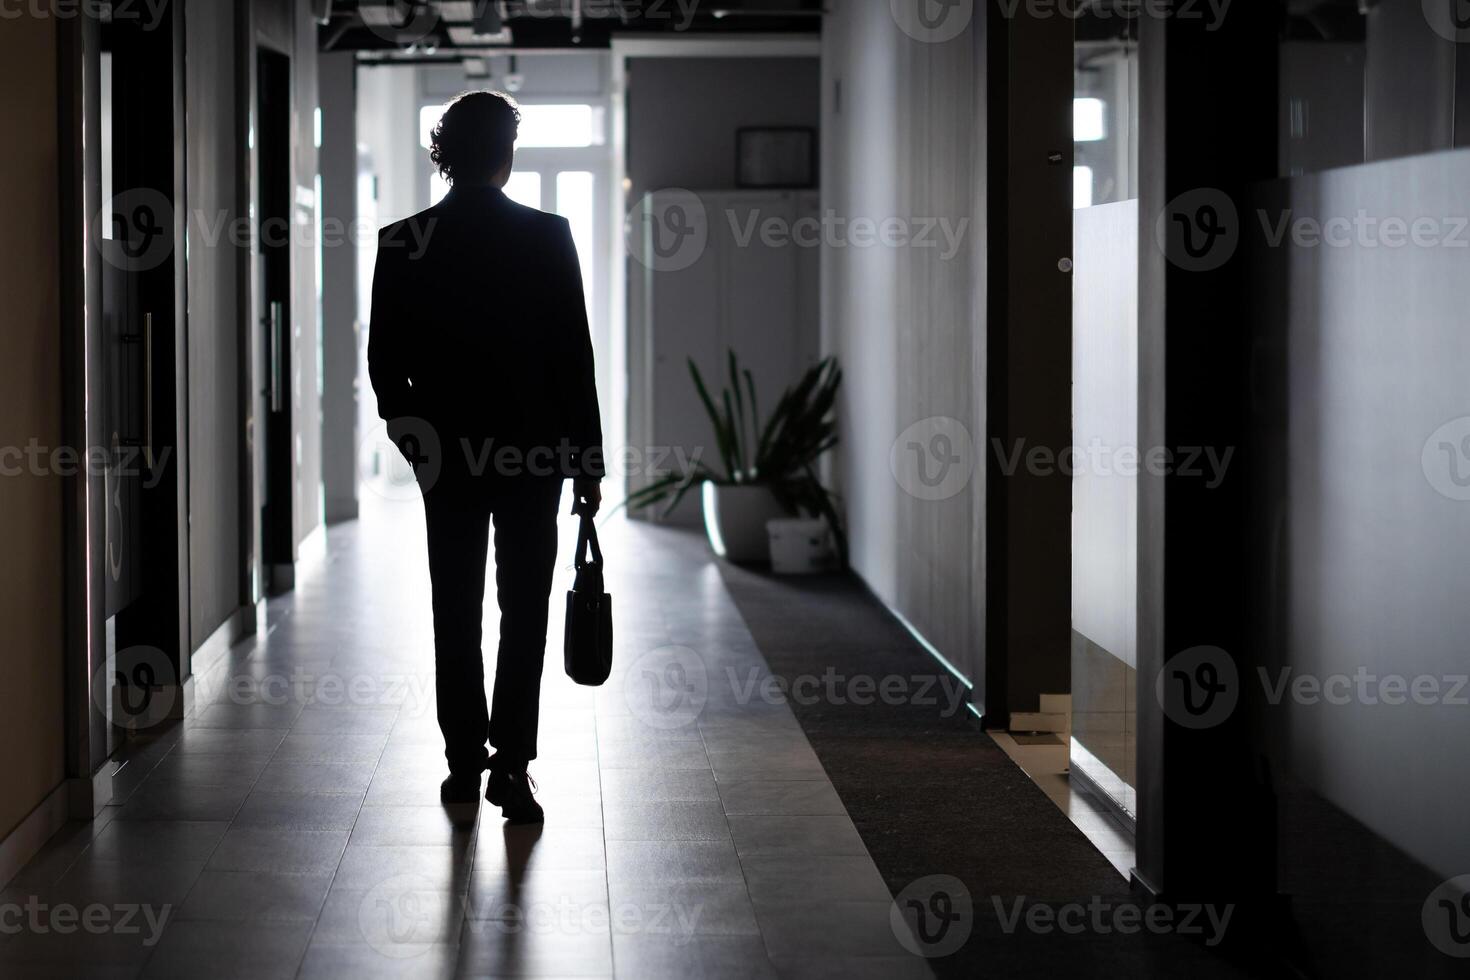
<point>589,633</point>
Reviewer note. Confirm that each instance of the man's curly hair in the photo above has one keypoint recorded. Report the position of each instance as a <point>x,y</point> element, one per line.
<point>475,137</point>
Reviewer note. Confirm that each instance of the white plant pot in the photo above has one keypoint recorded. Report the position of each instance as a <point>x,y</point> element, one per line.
<point>735,520</point>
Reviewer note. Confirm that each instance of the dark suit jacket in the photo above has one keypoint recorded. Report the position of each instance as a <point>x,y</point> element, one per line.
<point>479,327</point>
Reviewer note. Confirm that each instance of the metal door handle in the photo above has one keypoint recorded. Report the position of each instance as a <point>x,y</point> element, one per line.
<point>276,325</point>
<point>148,389</point>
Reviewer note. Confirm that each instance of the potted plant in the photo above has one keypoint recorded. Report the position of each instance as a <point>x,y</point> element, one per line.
<point>767,470</point>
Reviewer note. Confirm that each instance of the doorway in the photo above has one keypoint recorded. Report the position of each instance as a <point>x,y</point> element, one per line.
<point>273,275</point>
<point>137,672</point>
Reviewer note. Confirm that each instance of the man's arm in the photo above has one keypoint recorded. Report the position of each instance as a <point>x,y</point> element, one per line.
<point>580,390</point>
<point>387,365</point>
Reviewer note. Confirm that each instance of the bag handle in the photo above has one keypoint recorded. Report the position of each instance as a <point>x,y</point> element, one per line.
<point>587,535</point>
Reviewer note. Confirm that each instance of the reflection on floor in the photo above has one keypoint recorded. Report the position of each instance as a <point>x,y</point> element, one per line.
<point>1046,762</point>
<point>290,826</point>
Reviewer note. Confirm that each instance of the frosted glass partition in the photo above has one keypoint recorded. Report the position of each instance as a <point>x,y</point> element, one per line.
<point>1105,496</point>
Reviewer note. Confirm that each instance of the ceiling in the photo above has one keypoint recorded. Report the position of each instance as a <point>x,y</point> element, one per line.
<point>429,30</point>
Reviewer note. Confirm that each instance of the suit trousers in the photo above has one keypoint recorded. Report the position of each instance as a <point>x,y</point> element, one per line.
<point>460,508</point>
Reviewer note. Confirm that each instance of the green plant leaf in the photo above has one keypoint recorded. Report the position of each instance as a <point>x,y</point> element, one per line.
<point>738,421</point>
<point>722,438</point>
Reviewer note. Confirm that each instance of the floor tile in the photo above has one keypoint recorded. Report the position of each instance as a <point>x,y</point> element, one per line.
<point>435,824</point>
<point>285,776</point>
<point>684,861</point>
<point>300,811</point>
<point>256,896</point>
<point>682,909</point>
<point>778,797</point>
<point>762,834</point>
<point>649,957</point>
<point>369,962</point>
<point>665,821</point>
<point>229,951</point>
<point>279,850</point>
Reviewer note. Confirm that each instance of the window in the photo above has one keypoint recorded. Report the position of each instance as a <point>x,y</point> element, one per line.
<point>524,187</point>
<point>1081,187</point>
<point>541,125</point>
<point>1088,120</point>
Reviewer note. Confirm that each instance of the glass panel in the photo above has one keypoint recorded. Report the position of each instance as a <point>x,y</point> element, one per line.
<point>1081,187</point>
<point>574,202</point>
<point>1105,402</point>
<point>1104,116</point>
<point>105,119</point>
<point>524,187</point>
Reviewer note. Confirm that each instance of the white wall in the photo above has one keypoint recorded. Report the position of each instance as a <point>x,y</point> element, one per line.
<point>901,138</point>
<point>31,726</point>
<point>683,114</point>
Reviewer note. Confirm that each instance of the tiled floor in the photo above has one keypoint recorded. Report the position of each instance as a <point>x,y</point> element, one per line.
<point>290,826</point>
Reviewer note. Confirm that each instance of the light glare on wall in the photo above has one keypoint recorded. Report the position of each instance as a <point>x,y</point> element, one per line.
<point>1088,120</point>
<point>1081,187</point>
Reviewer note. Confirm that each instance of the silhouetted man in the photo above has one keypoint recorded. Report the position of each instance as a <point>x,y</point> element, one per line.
<point>481,359</point>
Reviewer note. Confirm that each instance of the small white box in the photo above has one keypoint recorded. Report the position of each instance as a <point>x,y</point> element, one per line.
<point>799,545</point>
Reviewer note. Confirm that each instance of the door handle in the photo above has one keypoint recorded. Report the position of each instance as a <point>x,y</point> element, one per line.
<point>275,325</point>
<point>148,389</point>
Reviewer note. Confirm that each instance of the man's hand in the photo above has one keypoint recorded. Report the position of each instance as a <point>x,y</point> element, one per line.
<point>586,497</point>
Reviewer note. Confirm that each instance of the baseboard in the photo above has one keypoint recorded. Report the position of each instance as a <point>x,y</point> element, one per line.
<point>27,839</point>
<point>341,509</point>
<point>87,797</point>
<point>313,547</point>
<point>1142,884</point>
<point>218,644</point>
<point>1088,785</point>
